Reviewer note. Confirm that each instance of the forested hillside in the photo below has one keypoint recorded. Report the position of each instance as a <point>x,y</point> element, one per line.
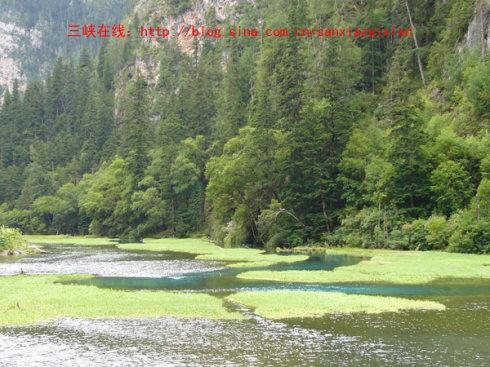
<point>266,141</point>
<point>33,33</point>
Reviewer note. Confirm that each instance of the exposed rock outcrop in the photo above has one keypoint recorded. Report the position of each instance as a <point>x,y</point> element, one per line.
<point>478,34</point>
<point>155,12</point>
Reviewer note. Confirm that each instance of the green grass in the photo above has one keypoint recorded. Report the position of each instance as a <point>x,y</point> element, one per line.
<point>69,240</point>
<point>243,257</point>
<point>250,257</point>
<point>194,246</point>
<point>296,304</point>
<point>28,299</point>
<point>205,250</point>
<point>388,266</point>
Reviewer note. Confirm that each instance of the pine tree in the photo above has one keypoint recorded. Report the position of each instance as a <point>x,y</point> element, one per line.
<point>231,101</point>
<point>289,74</point>
<point>33,111</point>
<point>55,102</point>
<point>136,129</point>
<point>411,184</point>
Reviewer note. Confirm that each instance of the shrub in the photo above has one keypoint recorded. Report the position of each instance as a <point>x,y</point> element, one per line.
<point>397,240</point>
<point>485,167</point>
<point>336,239</point>
<point>236,234</point>
<point>470,237</point>
<point>236,230</point>
<point>369,227</point>
<point>11,240</point>
<point>437,232</point>
<point>416,233</point>
<point>451,185</point>
<point>483,197</point>
<point>278,227</point>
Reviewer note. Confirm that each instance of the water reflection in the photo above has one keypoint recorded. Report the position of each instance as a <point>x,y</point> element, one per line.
<point>175,342</point>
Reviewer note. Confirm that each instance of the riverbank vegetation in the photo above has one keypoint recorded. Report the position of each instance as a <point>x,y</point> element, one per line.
<point>385,147</point>
<point>12,242</point>
<point>70,240</point>
<point>379,265</point>
<point>389,266</point>
<point>298,304</point>
<point>203,249</point>
<point>241,257</point>
<point>28,299</point>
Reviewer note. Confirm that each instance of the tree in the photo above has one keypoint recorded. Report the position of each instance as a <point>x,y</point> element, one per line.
<point>37,183</point>
<point>366,143</point>
<point>136,129</point>
<point>242,182</point>
<point>451,186</point>
<point>482,201</point>
<point>101,193</point>
<point>410,167</point>
<point>232,99</point>
<point>289,70</point>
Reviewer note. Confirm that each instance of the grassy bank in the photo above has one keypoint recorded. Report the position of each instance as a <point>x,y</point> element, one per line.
<point>30,299</point>
<point>195,246</point>
<point>295,304</point>
<point>388,266</point>
<point>69,240</point>
<point>250,258</point>
<point>205,250</point>
<point>243,257</point>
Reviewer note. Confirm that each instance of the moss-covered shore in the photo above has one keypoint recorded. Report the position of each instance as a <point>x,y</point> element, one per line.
<point>388,266</point>
<point>30,299</point>
<point>203,249</point>
<point>297,304</point>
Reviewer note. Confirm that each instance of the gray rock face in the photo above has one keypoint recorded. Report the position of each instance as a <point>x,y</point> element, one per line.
<point>33,34</point>
<point>11,36</point>
<point>480,23</point>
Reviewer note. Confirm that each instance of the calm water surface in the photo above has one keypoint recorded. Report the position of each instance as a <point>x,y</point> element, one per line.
<point>459,336</point>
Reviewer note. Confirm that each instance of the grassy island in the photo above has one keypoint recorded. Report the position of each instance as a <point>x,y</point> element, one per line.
<point>28,299</point>
<point>388,266</point>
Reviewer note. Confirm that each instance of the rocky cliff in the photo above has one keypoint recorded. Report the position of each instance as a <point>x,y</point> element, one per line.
<point>33,33</point>
<point>166,14</point>
<point>478,34</point>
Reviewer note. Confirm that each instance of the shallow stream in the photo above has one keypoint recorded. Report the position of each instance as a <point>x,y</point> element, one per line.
<point>459,336</point>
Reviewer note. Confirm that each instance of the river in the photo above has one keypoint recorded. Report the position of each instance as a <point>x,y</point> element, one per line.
<point>458,336</point>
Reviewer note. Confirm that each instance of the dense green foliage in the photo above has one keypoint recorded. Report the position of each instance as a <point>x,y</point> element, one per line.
<point>44,29</point>
<point>266,141</point>
<point>11,240</point>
